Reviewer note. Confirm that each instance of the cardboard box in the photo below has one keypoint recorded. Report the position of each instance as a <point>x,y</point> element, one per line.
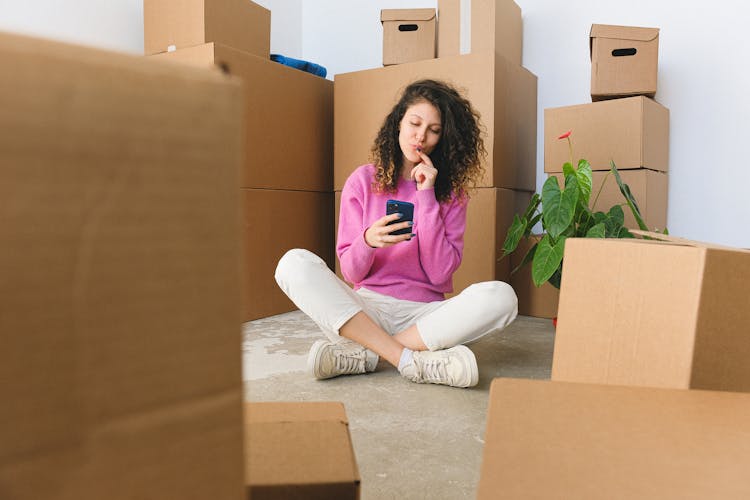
<point>492,25</point>
<point>176,24</point>
<point>120,364</point>
<point>624,61</point>
<point>561,440</point>
<point>488,218</point>
<point>649,188</point>
<point>503,93</point>
<point>449,28</point>
<point>539,302</point>
<point>299,450</point>
<point>496,25</point>
<point>664,314</point>
<point>408,35</point>
<point>634,132</point>
<point>276,221</point>
<point>274,95</point>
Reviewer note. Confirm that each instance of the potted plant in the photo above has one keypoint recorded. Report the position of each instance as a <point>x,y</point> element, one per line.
<point>564,213</point>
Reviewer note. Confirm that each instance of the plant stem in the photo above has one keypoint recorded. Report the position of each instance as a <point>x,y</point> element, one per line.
<point>570,149</point>
<point>593,205</point>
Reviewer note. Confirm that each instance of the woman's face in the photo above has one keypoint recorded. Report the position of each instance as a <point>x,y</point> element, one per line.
<point>420,128</point>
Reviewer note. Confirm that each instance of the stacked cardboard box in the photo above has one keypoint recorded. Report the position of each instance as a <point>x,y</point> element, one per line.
<point>286,183</point>
<point>119,300</point>
<point>624,125</point>
<point>501,90</point>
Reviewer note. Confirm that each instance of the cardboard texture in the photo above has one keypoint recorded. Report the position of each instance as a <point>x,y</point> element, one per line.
<point>649,313</point>
<point>449,28</point>
<point>539,302</point>
<point>503,93</point>
<point>176,24</point>
<point>488,218</point>
<point>634,132</point>
<point>274,94</point>
<point>624,61</point>
<point>299,450</point>
<point>120,312</point>
<point>496,25</point>
<point>276,221</point>
<point>408,35</point>
<point>649,188</point>
<point>560,440</point>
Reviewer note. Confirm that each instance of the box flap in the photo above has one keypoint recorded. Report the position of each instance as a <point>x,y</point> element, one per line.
<point>407,15</point>
<point>683,241</point>
<point>623,32</point>
<point>295,412</point>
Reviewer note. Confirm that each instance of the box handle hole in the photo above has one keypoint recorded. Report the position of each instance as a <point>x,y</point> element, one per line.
<point>408,27</point>
<point>624,52</point>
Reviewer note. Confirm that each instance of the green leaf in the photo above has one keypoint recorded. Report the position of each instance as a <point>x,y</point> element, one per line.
<point>533,205</point>
<point>556,277</point>
<point>533,222</point>
<point>629,198</point>
<point>547,259</point>
<point>514,235</point>
<point>616,214</point>
<point>559,205</point>
<point>597,231</point>
<point>568,169</point>
<point>615,221</point>
<point>624,233</point>
<point>584,175</point>
<point>585,222</point>
<point>526,258</point>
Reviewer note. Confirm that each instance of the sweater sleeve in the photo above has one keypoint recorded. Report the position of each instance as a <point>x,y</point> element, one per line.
<point>440,235</point>
<point>355,255</point>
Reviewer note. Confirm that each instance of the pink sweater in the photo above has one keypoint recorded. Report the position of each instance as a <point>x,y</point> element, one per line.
<point>419,270</point>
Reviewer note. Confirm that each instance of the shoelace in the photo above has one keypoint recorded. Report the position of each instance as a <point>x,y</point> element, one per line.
<point>348,362</point>
<point>433,370</point>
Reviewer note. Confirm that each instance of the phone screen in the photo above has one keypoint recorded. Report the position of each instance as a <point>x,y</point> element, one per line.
<point>403,207</point>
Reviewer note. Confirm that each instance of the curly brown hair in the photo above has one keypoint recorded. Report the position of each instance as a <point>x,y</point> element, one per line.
<point>457,155</point>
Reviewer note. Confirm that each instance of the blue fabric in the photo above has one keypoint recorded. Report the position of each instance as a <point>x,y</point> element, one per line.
<point>310,67</point>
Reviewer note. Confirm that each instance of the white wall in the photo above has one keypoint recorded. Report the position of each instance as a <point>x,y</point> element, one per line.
<point>703,74</point>
<point>109,24</point>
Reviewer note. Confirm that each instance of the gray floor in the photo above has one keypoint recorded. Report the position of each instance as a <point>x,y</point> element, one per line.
<point>410,440</point>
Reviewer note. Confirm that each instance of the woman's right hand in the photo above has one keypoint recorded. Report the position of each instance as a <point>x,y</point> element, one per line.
<point>377,235</point>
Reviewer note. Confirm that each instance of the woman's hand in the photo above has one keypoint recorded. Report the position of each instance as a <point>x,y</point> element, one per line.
<point>424,173</point>
<point>377,235</point>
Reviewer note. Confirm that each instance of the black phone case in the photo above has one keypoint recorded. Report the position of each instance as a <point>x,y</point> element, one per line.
<point>403,207</point>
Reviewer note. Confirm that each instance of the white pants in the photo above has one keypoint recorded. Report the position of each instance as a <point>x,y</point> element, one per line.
<point>480,309</point>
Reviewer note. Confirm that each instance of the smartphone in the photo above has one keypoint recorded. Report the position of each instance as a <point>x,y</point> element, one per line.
<point>404,208</point>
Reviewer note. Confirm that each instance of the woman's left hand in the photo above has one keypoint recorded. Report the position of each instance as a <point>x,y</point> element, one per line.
<point>424,173</point>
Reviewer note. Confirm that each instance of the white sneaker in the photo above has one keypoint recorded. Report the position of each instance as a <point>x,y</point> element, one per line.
<point>456,366</point>
<point>328,359</point>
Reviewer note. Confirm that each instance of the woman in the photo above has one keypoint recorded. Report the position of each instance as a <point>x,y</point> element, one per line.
<point>427,152</point>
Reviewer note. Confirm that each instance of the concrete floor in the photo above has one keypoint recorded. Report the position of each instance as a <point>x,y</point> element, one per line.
<point>410,440</point>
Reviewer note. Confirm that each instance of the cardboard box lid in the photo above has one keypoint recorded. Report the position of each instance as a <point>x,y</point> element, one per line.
<point>668,238</point>
<point>298,444</point>
<point>623,32</point>
<point>550,439</point>
<point>265,412</point>
<point>407,15</point>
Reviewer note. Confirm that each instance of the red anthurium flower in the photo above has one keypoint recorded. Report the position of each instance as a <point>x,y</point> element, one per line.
<point>565,135</point>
